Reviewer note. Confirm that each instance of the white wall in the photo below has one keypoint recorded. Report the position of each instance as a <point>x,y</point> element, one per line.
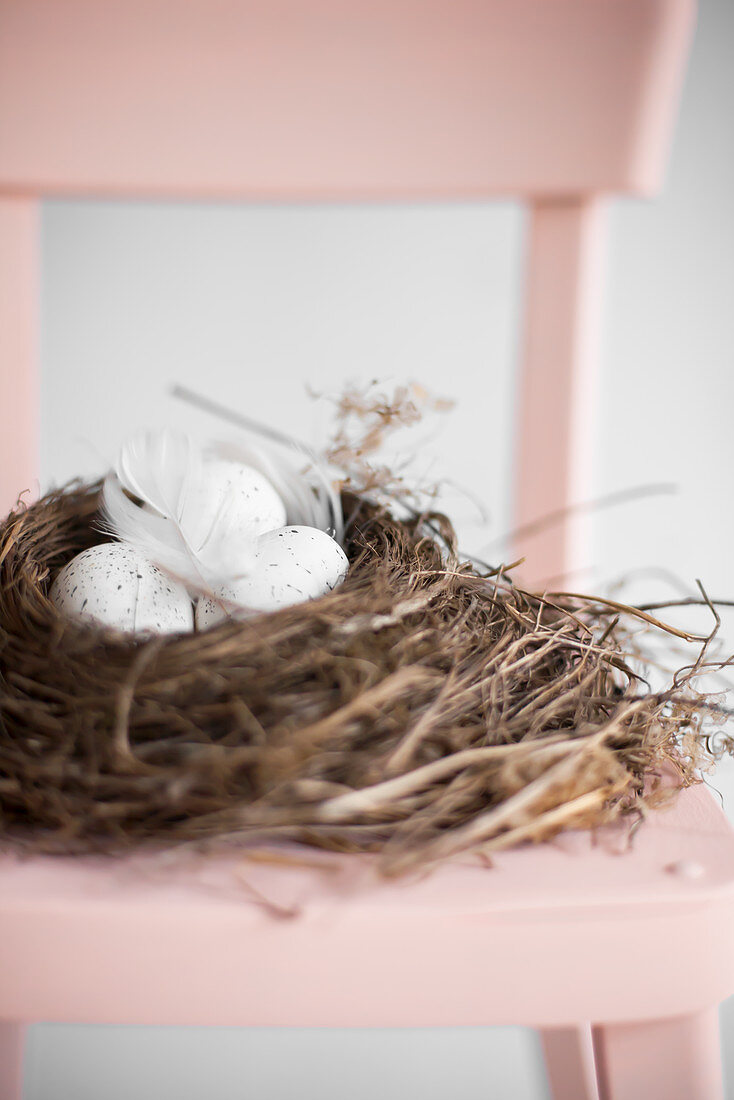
<point>251,304</point>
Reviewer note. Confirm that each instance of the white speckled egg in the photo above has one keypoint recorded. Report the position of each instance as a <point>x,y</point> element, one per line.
<point>115,585</point>
<point>253,506</point>
<point>292,564</point>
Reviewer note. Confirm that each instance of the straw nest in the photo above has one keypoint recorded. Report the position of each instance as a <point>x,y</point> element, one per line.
<point>420,710</point>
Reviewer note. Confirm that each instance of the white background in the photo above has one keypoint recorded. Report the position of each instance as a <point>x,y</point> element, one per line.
<point>249,305</point>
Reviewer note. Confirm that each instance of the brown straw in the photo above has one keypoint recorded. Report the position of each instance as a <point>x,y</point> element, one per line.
<point>418,711</point>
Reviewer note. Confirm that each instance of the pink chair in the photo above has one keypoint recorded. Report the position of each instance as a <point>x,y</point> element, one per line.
<point>559,102</point>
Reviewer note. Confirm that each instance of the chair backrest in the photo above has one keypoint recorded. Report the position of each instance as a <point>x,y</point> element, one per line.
<point>556,101</point>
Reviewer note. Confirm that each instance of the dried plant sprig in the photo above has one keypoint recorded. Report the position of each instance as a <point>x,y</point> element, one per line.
<point>365,417</point>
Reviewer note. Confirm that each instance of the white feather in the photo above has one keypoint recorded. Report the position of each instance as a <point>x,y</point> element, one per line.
<point>159,468</point>
<point>156,537</point>
<point>163,469</point>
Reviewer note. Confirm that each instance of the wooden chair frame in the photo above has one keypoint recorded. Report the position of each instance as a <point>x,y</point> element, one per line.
<point>559,102</point>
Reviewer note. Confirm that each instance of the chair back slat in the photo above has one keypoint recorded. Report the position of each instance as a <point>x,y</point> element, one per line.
<point>337,99</point>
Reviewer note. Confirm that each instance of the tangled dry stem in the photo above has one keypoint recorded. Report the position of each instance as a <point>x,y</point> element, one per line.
<point>419,711</point>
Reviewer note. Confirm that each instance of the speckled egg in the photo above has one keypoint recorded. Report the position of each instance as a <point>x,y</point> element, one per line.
<point>292,564</point>
<point>253,506</point>
<point>115,585</point>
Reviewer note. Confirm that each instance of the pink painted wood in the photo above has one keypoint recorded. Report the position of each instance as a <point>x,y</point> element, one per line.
<point>559,102</point>
<point>674,1058</point>
<point>18,343</point>
<point>363,98</point>
<point>557,399</point>
<point>570,1062</point>
<point>12,1037</point>
<point>161,940</point>
<point>578,930</point>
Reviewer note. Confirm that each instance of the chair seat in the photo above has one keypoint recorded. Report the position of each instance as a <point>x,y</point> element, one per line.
<point>584,928</point>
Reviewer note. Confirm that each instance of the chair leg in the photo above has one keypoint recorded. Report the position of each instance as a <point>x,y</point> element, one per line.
<point>11,1060</point>
<point>569,1062</point>
<point>673,1059</point>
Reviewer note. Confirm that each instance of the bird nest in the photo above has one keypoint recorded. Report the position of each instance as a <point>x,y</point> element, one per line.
<point>420,710</point>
